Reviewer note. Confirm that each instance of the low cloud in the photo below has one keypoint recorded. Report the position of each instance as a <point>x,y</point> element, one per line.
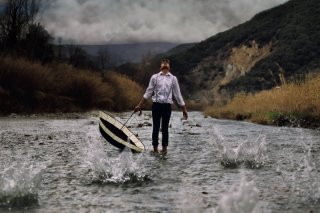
<point>134,21</point>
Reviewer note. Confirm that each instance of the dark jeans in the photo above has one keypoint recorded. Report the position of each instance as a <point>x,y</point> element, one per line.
<point>160,111</point>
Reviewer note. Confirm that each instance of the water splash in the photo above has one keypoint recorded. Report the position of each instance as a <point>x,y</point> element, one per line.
<point>125,168</point>
<point>245,200</point>
<point>252,154</point>
<point>307,177</point>
<point>302,175</point>
<point>19,186</point>
<point>112,170</point>
<point>93,154</point>
<point>190,204</point>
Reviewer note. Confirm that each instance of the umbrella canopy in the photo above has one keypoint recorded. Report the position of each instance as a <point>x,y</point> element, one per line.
<point>117,134</point>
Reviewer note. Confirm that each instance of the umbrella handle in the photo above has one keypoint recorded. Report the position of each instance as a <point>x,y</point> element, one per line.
<point>130,117</point>
<point>140,112</point>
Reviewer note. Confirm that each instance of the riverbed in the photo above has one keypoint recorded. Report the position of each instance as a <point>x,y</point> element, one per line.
<point>64,165</point>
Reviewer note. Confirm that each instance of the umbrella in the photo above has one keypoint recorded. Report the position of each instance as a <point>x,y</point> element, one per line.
<point>117,134</point>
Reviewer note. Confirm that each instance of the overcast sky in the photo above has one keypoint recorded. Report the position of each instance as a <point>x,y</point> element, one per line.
<point>134,21</point>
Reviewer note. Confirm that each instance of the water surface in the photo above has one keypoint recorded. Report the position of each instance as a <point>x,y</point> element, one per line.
<point>52,165</point>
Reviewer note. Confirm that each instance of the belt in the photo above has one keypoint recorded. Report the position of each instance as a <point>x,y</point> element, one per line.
<point>162,103</point>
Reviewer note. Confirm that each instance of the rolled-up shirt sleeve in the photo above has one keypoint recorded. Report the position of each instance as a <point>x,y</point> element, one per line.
<point>177,92</point>
<point>150,88</point>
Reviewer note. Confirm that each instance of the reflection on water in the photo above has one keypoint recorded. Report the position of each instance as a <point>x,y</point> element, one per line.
<point>211,166</point>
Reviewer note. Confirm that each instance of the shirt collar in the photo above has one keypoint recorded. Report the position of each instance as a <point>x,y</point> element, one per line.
<point>169,73</point>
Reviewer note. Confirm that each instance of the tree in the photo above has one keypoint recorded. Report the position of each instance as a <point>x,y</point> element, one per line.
<point>15,21</point>
<point>78,57</point>
<point>59,49</point>
<point>37,43</point>
<point>146,59</point>
<point>103,58</point>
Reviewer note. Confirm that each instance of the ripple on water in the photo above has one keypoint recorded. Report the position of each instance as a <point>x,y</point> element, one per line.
<point>89,175</point>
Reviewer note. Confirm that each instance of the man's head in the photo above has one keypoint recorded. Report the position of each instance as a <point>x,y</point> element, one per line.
<point>165,64</point>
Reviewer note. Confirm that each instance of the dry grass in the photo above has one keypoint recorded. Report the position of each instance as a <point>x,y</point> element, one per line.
<point>293,98</point>
<point>33,87</point>
<point>20,74</point>
<point>194,105</point>
<point>128,93</point>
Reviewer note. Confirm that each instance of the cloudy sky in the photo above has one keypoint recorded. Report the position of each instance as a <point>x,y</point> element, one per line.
<point>134,21</point>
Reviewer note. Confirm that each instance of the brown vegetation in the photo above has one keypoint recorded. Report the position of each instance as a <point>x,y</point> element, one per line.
<point>297,100</point>
<point>27,87</point>
<point>127,92</point>
<point>32,87</point>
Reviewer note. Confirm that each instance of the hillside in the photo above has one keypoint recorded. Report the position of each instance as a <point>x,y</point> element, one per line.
<point>281,41</point>
<point>130,52</point>
<point>177,49</point>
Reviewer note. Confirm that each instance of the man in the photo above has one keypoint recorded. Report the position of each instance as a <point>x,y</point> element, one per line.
<point>161,86</point>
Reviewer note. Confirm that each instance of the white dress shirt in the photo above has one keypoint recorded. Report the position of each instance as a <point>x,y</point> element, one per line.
<point>165,85</point>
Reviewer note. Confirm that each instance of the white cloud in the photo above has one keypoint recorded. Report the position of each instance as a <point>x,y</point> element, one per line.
<point>130,21</point>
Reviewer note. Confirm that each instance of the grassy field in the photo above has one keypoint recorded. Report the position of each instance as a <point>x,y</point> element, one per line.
<point>296,103</point>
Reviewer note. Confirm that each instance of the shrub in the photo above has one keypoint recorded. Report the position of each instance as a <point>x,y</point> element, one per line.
<point>293,99</point>
<point>127,93</point>
<point>31,87</point>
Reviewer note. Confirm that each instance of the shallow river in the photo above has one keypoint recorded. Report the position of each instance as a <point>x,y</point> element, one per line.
<point>51,165</point>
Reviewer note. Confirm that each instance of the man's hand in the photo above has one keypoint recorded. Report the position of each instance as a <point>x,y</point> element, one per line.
<point>137,109</point>
<point>185,114</point>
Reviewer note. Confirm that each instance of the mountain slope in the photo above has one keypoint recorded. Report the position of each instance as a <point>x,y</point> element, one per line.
<point>130,52</point>
<point>177,49</point>
<point>282,41</point>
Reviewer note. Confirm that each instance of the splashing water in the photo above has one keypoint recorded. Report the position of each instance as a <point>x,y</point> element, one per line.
<point>245,200</point>
<point>83,176</point>
<point>190,204</point>
<point>307,177</point>
<point>95,156</point>
<point>105,169</point>
<point>125,169</point>
<point>302,175</point>
<point>253,154</point>
<point>19,186</point>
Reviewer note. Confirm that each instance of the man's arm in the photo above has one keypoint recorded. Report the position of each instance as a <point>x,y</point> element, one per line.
<point>178,96</point>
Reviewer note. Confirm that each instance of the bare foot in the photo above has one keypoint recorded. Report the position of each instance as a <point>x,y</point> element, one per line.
<point>164,149</point>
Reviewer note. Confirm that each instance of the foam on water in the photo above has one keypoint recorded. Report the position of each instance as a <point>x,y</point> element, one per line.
<point>105,169</point>
<point>252,154</point>
<point>19,186</point>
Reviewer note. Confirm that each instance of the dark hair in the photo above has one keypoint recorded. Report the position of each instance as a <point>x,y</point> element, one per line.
<point>165,60</point>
